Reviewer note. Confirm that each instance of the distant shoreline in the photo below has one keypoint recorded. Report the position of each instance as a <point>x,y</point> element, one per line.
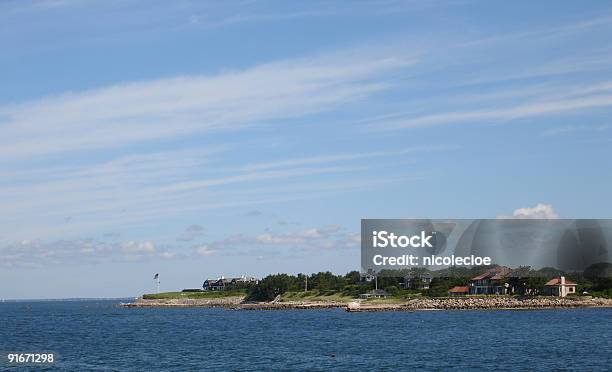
<point>464,303</point>
<point>72,299</point>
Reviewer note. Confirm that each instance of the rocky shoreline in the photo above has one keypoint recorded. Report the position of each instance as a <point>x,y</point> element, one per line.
<point>463,303</point>
<point>482,303</point>
<point>187,302</point>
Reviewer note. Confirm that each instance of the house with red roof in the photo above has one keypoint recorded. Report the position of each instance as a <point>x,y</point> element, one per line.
<point>459,291</point>
<point>559,287</point>
<point>491,282</point>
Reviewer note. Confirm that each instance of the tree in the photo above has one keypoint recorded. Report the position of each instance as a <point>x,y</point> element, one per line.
<point>272,286</point>
<point>535,284</point>
<point>326,281</point>
<point>600,274</point>
<point>352,277</point>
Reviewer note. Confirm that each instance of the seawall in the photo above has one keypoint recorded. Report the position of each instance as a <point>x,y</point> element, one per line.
<point>459,303</point>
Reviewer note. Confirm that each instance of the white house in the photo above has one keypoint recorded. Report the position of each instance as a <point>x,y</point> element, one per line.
<point>560,287</point>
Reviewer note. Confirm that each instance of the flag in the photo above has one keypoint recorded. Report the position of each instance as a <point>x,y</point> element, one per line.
<point>156,276</point>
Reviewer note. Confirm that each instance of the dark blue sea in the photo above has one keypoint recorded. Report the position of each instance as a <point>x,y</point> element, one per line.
<point>100,336</point>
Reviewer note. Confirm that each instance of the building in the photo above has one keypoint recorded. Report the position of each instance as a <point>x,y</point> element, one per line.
<point>221,284</point>
<point>559,287</point>
<point>375,293</point>
<point>416,282</point>
<point>492,282</point>
<point>459,291</point>
<point>245,280</point>
<point>218,284</point>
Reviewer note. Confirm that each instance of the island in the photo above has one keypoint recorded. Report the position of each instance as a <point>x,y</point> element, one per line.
<point>491,287</point>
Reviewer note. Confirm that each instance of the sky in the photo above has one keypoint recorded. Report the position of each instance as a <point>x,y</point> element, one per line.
<point>205,139</point>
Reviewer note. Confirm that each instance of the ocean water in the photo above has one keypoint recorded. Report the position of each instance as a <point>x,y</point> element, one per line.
<point>98,335</point>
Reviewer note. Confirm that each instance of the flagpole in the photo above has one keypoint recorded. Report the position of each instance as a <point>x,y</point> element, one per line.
<point>156,279</point>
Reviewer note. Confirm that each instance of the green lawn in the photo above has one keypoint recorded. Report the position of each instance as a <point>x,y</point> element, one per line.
<point>607,293</point>
<point>174,295</point>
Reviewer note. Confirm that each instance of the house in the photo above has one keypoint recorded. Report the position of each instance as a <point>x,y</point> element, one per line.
<point>375,293</point>
<point>559,287</point>
<point>218,284</point>
<point>245,280</point>
<point>459,291</point>
<point>221,284</point>
<point>416,282</point>
<point>491,282</point>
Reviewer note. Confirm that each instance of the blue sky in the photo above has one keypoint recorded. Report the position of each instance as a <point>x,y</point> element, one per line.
<point>201,139</point>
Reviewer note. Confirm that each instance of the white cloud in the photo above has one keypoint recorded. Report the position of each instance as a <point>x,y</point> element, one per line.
<point>139,247</point>
<point>540,211</point>
<point>302,237</point>
<point>167,254</point>
<point>205,250</point>
<point>37,253</point>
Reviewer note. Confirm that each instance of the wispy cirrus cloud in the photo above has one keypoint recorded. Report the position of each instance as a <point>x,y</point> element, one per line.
<point>167,178</point>
<point>144,187</point>
<point>141,112</point>
<point>326,159</point>
<point>141,151</point>
<point>571,129</point>
<point>498,114</point>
